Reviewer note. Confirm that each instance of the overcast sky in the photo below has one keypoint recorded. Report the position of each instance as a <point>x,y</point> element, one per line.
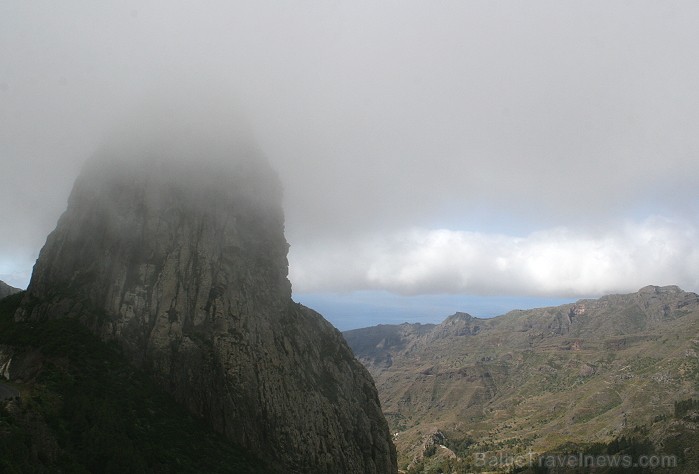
<point>541,149</point>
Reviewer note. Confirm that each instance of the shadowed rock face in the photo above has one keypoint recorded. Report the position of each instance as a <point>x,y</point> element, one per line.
<point>184,264</point>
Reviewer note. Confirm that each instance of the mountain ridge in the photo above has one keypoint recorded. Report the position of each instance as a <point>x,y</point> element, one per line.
<point>7,290</point>
<point>583,372</point>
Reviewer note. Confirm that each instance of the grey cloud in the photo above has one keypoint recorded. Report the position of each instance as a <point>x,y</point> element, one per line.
<point>377,116</point>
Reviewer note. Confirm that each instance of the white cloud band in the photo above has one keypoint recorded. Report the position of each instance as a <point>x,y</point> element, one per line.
<point>550,262</point>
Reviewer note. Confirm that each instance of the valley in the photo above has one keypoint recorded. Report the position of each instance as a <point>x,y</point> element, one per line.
<point>535,381</point>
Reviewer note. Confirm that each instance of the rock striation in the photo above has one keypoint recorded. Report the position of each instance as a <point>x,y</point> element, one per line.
<point>181,259</point>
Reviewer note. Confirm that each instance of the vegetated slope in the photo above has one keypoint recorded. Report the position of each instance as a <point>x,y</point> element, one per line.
<point>177,253</point>
<point>589,372</point>
<point>84,408</point>
<point>7,290</point>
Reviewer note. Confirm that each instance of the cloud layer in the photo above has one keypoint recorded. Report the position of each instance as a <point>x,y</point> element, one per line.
<point>558,261</point>
<point>533,134</point>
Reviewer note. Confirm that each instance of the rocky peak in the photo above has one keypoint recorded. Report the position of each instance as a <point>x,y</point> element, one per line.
<point>458,324</point>
<point>181,258</point>
<point>7,290</point>
<point>652,289</point>
<point>458,317</point>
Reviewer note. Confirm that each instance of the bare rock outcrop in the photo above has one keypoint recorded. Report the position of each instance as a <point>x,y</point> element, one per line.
<point>183,262</point>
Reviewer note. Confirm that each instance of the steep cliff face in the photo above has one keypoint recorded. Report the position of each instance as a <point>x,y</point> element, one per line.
<point>183,262</point>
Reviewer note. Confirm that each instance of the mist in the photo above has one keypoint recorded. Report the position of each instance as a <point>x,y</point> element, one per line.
<point>195,135</point>
<point>475,148</point>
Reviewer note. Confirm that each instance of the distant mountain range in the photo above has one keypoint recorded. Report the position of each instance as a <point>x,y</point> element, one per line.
<point>578,376</point>
<point>7,290</point>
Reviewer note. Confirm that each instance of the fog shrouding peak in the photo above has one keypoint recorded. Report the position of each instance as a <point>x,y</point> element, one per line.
<point>193,147</point>
<point>187,122</point>
<point>503,147</point>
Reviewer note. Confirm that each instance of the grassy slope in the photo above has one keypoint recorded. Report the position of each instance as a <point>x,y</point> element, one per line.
<point>88,410</point>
